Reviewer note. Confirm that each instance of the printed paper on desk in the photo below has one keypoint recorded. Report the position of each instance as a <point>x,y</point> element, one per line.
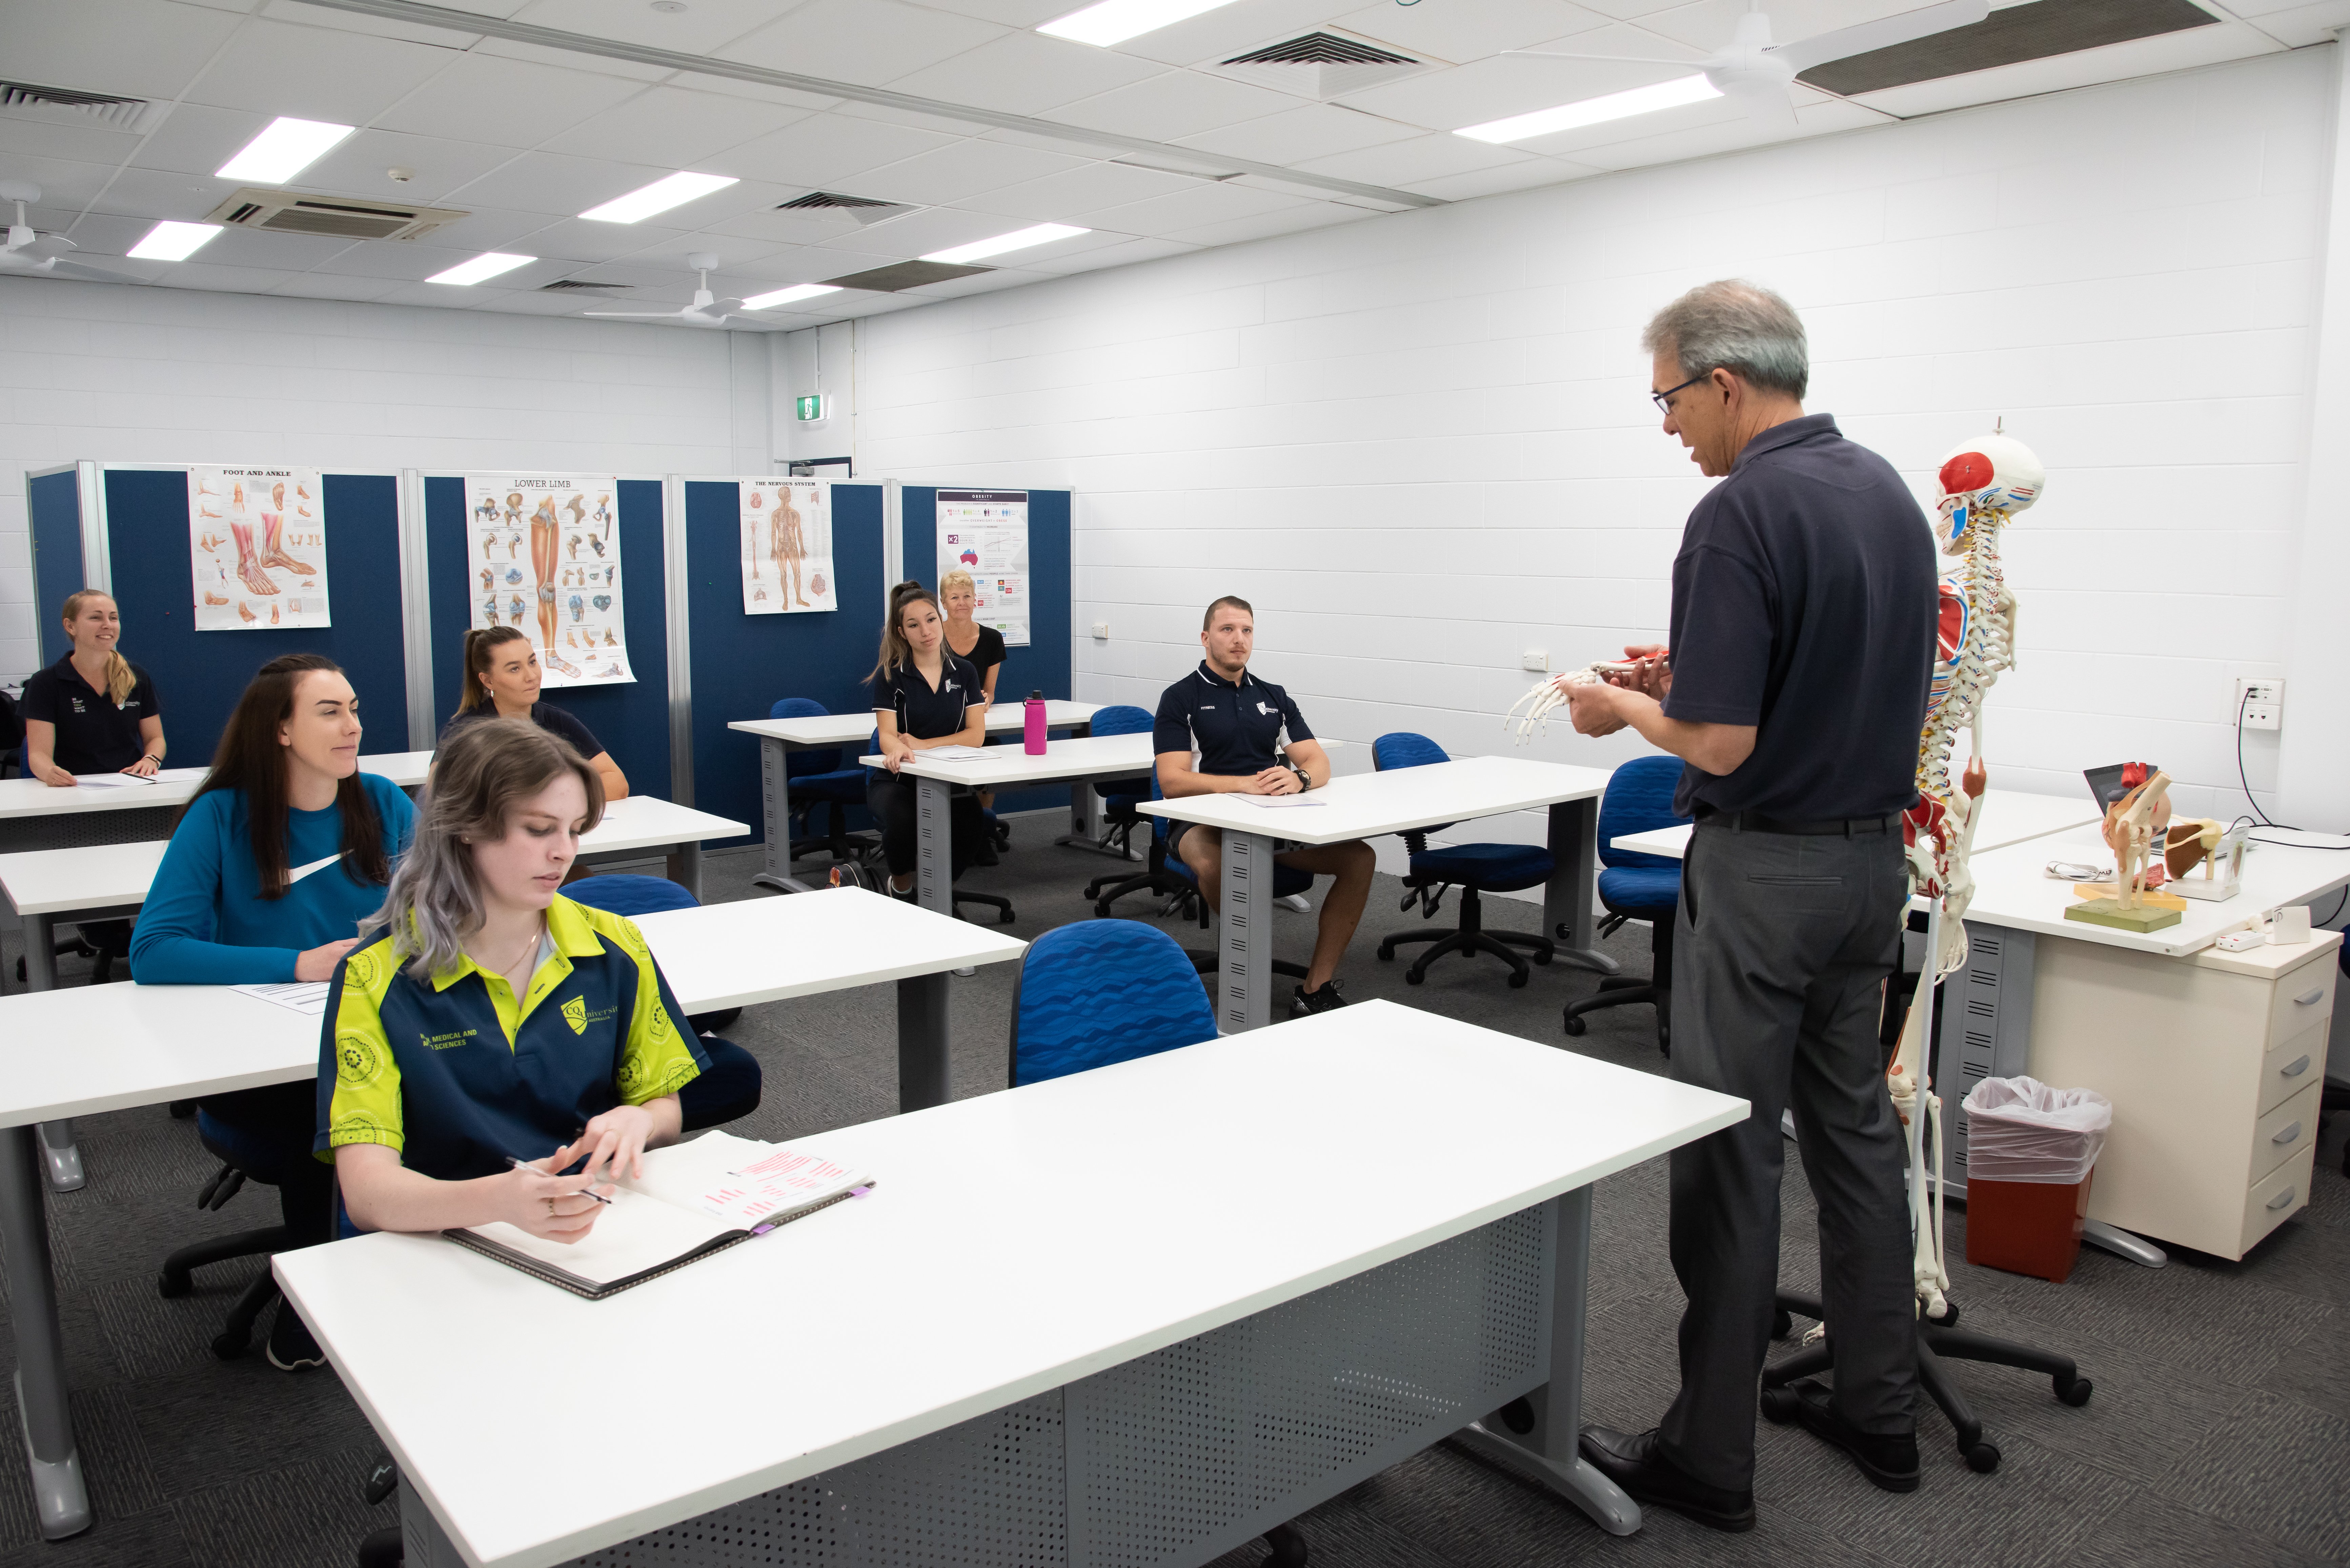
<point>111,781</point>
<point>743,1181</point>
<point>1279,802</point>
<point>957,753</point>
<point>306,996</point>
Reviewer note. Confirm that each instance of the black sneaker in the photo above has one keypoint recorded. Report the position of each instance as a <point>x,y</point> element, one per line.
<point>1889,1461</point>
<point>1310,1003</point>
<point>291,1348</point>
<point>1631,1460</point>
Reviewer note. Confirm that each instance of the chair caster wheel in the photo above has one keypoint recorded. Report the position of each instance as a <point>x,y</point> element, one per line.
<point>1413,977</point>
<point>385,1548</point>
<point>1518,1416</point>
<point>1386,954</point>
<point>1541,957</point>
<point>2075,1393</point>
<point>172,1286</point>
<point>1288,1547</point>
<point>1518,978</point>
<point>1982,1459</point>
<point>1576,1025</point>
<point>1782,1324</point>
<point>1779,1405</point>
<point>230,1347</point>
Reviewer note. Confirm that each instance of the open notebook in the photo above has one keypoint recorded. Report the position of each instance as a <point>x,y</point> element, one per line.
<point>693,1200</point>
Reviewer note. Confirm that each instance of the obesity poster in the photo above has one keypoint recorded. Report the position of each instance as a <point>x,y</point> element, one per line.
<point>787,546</point>
<point>985,532</point>
<point>256,548</point>
<point>544,556</point>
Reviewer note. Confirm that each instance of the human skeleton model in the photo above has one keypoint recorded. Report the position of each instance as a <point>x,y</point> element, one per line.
<point>788,549</point>
<point>545,531</point>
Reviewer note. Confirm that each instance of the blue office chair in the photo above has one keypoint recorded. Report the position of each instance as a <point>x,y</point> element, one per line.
<point>1101,992</point>
<point>1637,886</point>
<point>1474,868</point>
<point>1159,874</point>
<point>243,1156</point>
<point>729,1088</point>
<point>1172,874</point>
<point>816,778</point>
<point>1119,796</point>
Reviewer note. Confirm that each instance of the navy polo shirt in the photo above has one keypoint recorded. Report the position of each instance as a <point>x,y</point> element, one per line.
<point>925,713</point>
<point>93,735</point>
<point>1803,604</point>
<point>1233,725</point>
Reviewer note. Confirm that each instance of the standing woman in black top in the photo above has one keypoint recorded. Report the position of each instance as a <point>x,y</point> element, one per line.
<point>982,648</point>
<point>924,695</point>
<point>502,682</point>
<point>92,712</point>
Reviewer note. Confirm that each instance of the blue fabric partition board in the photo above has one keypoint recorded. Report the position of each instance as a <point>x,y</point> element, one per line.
<point>52,506</point>
<point>1044,664</point>
<point>199,675</point>
<point>744,663</point>
<point>632,719</point>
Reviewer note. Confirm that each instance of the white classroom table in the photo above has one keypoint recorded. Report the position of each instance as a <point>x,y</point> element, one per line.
<point>143,1044</point>
<point>1195,1294</point>
<point>1002,767</point>
<point>1364,805</point>
<point>778,738</point>
<point>2009,817</point>
<point>33,815</point>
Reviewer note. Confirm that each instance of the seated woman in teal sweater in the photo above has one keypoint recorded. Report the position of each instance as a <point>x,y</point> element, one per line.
<point>280,855</point>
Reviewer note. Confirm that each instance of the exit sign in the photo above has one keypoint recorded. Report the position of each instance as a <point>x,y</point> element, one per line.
<point>810,409</point>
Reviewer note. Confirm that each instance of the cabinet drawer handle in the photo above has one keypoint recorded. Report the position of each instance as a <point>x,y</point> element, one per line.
<point>2306,997</point>
<point>2282,1199</point>
<point>2300,1065</point>
<point>2292,1131</point>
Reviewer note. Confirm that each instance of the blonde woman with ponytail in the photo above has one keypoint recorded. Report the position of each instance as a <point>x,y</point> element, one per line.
<point>92,712</point>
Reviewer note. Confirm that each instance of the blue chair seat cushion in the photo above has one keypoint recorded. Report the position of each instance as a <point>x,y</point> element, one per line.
<point>1101,992</point>
<point>625,893</point>
<point>847,787</point>
<point>250,1149</point>
<point>1642,891</point>
<point>1287,879</point>
<point>1495,868</point>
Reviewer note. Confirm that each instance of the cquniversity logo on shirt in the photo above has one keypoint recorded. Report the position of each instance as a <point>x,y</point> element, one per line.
<point>1262,707</point>
<point>575,1013</point>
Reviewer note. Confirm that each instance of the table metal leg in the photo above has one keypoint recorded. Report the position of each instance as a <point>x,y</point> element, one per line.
<point>923,1056</point>
<point>689,868</point>
<point>1546,1452</point>
<point>934,845</point>
<point>40,953</point>
<point>58,1496</point>
<point>774,804</point>
<point>1244,934</point>
<point>1567,919</point>
<point>60,1159</point>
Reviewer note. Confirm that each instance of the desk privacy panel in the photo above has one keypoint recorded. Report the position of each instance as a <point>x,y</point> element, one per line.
<point>630,719</point>
<point>53,508</point>
<point>743,664</point>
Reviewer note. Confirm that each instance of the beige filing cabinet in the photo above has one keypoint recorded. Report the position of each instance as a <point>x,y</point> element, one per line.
<point>2214,1064</point>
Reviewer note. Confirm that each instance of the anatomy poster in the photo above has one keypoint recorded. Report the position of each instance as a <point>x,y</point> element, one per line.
<point>256,548</point>
<point>787,546</point>
<point>545,557</point>
<point>985,532</point>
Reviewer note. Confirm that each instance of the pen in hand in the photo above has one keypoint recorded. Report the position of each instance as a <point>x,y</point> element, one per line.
<point>525,1165</point>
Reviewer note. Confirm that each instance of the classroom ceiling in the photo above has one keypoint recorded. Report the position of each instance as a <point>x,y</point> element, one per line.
<point>958,114</point>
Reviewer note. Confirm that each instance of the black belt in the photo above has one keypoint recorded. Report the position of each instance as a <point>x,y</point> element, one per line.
<point>1846,827</point>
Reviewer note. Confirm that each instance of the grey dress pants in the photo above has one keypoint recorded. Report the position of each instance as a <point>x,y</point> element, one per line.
<point>1781,946</point>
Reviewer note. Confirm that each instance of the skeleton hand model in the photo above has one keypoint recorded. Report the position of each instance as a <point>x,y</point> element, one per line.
<point>1547,695</point>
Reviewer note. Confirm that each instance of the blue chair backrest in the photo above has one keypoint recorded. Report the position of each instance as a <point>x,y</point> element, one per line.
<point>1099,991</point>
<point>624,893</point>
<point>1403,749</point>
<point>816,759</point>
<point>1122,718</point>
<point>1639,797</point>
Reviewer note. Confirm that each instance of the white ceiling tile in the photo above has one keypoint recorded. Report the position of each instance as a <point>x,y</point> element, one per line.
<point>281,253</point>
<point>824,151</point>
<point>151,193</point>
<point>316,72</point>
<point>1458,34</point>
<point>569,61</point>
<point>1122,253</point>
<point>1405,162</point>
<point>509,103</point>
<point>64,143</point>
<point>414,262</point>
<point>558,186</point>
<point>1265,225</point>
<point>223,279</point>
<point>699,28</point>
<point>1518,84</point>
<point>965,169</point>
<point>1174,105</point>
<point>1520,176</point>
<point>1708,24</point>
<point>1005,13</point>
<point>920,233</point>
<point>66,187</point>
<point>795,228</point>
<point>325,285</point>
<point>102,236</point>
<point>1203,204</point>
<point>2114,62</point>
<point>1294,135</point>
<point>437,164</point>
<point>757,92</point>
<point>2301,26</point>
<point>146,47</point>
<point>669,125</point>
<point>492,229</point>
<point>578,240</point>
<point>196,138</point>
<point>1087,189</point>
<point>1710,129</point>
<point>1025,73</point>
<point>864,41</point>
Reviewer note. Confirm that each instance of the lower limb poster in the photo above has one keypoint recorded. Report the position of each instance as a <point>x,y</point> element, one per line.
<point>544,556</point>
<point>256,548</point>
<point>985,532</point>
<point>786,546</point>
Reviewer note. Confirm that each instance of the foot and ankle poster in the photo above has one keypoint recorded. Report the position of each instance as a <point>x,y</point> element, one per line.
<point>256,548</point>
<point>543,556</point>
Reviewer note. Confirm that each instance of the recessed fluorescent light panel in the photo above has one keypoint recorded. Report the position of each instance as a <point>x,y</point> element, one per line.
<point>1593,111</point>
<point>283,150</point>
<point>799,291</point>
<point>1115,21</point>
<point>1017,240</point>
<point>672,190</point>
<point>487,266</point>
<point>172,241</point>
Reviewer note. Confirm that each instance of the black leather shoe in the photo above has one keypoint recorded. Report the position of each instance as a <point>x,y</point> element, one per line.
<point>1890,1461</point>
<point>1632,1462</point>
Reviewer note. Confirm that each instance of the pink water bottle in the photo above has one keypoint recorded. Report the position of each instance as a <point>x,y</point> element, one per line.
<point>1032,725</point>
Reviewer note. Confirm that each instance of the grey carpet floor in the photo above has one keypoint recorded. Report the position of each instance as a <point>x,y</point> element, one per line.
<point>2219,1431</point>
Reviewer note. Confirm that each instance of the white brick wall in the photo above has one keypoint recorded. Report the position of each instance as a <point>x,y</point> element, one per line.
<point>1420,443</point>
<point>154,375</point>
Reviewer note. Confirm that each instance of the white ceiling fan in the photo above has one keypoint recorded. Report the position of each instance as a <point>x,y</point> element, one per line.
<point>41,256</point>
<point>707,309</point>
<point>1757,74</point>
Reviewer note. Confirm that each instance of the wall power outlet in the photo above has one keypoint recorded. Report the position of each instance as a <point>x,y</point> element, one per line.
<point>1101,629</point>
<point>1534,658</point>
<point>2260,703</point>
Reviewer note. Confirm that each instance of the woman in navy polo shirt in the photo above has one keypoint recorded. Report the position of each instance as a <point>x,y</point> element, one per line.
<point>502,682</point>
<point>92,712</point>
<point>496,1019</point>
<point>923,696</point>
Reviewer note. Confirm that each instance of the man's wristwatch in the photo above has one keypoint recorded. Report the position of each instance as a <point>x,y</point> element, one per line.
<point>1304,783</point>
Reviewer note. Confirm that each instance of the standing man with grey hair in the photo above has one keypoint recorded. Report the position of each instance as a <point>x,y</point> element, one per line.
<point>1795,688</point>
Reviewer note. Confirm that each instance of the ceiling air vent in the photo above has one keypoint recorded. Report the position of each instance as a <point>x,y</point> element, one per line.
<point>1321,65</point>
<point>860,210</point>
<point>581,285</point>
<point>904,274</point>
<point>70,106</point>
<point>337,217</point>
<point>2035,31</point>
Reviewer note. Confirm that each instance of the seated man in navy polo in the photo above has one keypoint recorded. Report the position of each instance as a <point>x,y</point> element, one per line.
<point>1221,731</point>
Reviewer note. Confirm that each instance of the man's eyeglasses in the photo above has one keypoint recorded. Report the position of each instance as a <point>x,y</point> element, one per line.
<point>1664,399</point>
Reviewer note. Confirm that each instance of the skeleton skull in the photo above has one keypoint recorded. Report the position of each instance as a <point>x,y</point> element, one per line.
<point>1989,473</point>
